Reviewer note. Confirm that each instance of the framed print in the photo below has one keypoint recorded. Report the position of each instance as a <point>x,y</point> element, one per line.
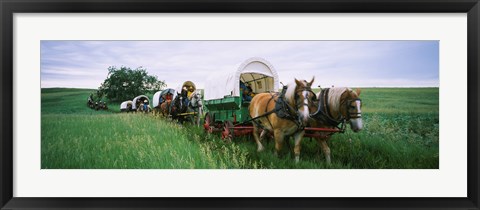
<point>239,105</point>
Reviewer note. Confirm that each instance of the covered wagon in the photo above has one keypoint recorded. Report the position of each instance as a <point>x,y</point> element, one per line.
<point>161,97</point>
<point>227,96</point>
<point>126,106</point>
<point>139,101</point>
<point>189,88</point>
<point>188,103</point>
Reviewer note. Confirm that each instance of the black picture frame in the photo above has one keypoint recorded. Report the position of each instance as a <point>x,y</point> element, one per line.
<point>9,7</point>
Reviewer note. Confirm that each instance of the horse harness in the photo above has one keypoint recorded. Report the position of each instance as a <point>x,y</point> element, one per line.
<point>197,104</point>
<point>323,112</point>
<point>283,109</point>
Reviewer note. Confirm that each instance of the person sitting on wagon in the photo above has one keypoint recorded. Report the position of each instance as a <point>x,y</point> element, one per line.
<point>190,91</point>
<point>145,105</point>
<point>247,91</point>
<point>168,97</point>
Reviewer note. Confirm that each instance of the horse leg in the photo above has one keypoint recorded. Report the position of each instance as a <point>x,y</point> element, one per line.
<point>257,139</point>
<point>298,146</point>
<point>263,134</point>
<point>279,137</point>
<point>199,115</point>
<point>325,149</point>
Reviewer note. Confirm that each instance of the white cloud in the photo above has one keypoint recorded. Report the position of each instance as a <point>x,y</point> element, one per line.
<point>352,63</point>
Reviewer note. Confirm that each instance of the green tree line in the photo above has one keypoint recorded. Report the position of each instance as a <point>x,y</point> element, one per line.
<point>125,83</point>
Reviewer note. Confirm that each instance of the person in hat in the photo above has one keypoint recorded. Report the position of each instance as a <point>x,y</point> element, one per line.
<point>145,105</point>
<point>247,91</point>
<point>190,91</point>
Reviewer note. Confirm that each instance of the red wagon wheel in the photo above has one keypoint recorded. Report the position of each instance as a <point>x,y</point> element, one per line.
<point>227,132</point>
<point>207,124</point>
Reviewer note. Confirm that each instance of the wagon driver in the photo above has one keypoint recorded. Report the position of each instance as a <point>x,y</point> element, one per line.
<point>190,91</point>
<point>247,91</point>
<point>145,105</point>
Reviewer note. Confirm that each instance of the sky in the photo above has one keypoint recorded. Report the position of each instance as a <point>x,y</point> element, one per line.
<point>84,64</point>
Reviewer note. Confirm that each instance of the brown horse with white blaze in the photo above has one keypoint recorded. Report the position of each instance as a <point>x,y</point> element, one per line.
<point>298,97</point>
<point>336,106</point>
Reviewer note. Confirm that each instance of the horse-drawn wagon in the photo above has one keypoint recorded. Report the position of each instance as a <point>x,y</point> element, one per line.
<point>126,106</point>
<point>297,111</point>
<point>228,96</point>
<point>188,103</point>
<point>162,101</point>
<point>96,102</point>
<point>141,103</point>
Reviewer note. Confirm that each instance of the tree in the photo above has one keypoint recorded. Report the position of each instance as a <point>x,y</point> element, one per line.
<point>124,83</point>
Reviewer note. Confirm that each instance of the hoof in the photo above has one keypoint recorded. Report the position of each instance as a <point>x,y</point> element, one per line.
<point>260,149</point>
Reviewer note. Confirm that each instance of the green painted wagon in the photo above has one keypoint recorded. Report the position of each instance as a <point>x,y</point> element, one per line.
<point>227,97</point>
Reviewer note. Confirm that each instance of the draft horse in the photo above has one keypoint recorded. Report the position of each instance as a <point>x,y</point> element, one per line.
<point>166,108</point>
<point>268,115</point>
<point>335,108</point>
<point>165,101</point>
<point>196,105</point>
<point>181,106</point>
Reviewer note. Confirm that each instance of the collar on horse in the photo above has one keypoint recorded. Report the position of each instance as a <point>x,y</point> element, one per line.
<point>323,112</point>
<point>284,110</point>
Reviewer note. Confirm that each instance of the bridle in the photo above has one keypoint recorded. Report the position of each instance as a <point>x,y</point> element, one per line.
<point>308,89</point>
<point>198,101</point>
<point>323,112</point>
<point>353,115</point>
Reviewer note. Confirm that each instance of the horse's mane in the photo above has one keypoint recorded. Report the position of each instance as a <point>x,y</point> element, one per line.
<point>334,96</point>
<point>195,92</point>
<point>290,93</point>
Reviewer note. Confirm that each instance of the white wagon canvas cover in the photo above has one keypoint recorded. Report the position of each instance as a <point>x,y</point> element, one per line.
<point>124,104</point>
<point>144,97</point>
<point>257,72</point>
<point>156,97</point>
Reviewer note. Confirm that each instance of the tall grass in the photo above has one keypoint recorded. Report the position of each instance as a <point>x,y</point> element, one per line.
<point>401,131</point>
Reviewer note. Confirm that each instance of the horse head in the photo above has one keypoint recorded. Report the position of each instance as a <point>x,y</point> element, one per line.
<point>301,97</point>
<point>179,104</point>
<point>196,100</point>
<point>352,109</point>
<point>345,106</point>
<point>338,105</point>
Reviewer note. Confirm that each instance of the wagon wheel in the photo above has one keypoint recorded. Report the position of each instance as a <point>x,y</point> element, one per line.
<point>227,132</point>
<point>207,125</point>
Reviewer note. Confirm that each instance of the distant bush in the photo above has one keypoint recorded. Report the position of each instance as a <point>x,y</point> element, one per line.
<point>126,83</point>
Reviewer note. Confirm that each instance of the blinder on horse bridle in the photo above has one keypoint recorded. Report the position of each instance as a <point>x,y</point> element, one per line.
<point>286,111</point>
<point>309,89</point>
<point>353,115</point>
<point>198,101</point>
<point>323,113</point>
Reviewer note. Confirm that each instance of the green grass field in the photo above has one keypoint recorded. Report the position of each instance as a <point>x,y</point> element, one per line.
<point>401,130</point>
